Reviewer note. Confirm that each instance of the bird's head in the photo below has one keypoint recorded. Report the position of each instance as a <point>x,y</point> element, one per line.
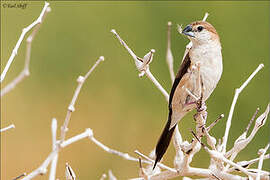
<point>201,32</point>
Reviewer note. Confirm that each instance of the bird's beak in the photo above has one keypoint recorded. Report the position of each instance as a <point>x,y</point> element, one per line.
<point>188,31</point>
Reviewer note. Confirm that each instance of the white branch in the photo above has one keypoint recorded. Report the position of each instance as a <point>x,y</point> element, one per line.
<point>71,107</point>
<point>248,163</point>
<point>54,147</point>
<point>87,133</point>
<point>25,72</point>
<point>43,168</point>
<point>24,31</point>
<point>242,141</point>
<point>169,55</point>
<point>261,161</point>
<point>7,128</point>
<point>113,151</point>
<point>111,176</point>
<point>237,93</point>
<point>151,160</point>
<point>220,156</point>
<point>139,64</point>
<point>205,16</point>
<point>103,177</point>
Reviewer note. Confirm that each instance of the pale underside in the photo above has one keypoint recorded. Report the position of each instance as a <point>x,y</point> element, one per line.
<point>196,80</point>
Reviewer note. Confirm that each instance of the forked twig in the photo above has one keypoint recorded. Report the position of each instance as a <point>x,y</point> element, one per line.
<point>24,31</point>
<point>237,93</point>
<point>25,72</point>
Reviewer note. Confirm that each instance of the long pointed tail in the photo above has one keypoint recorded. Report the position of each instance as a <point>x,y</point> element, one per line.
<point>164,140</point>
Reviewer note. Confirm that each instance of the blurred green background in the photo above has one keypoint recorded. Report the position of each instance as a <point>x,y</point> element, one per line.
<point>124,111</point>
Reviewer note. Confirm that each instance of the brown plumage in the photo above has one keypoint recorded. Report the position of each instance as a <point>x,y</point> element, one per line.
<point>206,50</point>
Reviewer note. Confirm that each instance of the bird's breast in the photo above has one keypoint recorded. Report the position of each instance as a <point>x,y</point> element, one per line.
<point>210,64</point>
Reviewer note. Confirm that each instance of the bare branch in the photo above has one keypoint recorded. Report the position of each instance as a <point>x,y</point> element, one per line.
<point>20,176</point>
<point>262,153</point>
<point>237,93</point>
<point>242,141</point>
<point>169,55</point>
<point>142,172</point>
<point>113,151</point>
<point>252,119</point>
<point>215,122</point>
<point>7,128</point>
<point>111,176</point>
<point>71,107</point>
<point>246,164</point>
<point>24,31</point>
<point>25,72</point>
<point>151,160</point>
<point>104,176</point>
<point>205,16</point>
<point>54,148</point>
<point>139,63</point>
<point>43,168</point>
<point>217,155</point>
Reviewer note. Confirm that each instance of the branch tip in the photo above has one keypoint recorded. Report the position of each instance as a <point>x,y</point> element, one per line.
<point>113,31</point>
<point>102,58</point>
<point>49,9</point>
<point>261,65</point>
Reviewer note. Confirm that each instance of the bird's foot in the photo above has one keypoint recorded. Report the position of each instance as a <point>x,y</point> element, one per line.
<point>201,107</point>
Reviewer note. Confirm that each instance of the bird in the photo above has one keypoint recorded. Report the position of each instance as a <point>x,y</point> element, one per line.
<point>205,53</point>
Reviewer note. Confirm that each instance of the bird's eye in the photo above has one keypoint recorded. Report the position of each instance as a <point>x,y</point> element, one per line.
<point>200,28</point>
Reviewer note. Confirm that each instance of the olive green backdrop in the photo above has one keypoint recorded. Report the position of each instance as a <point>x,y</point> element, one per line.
<point>124,111</point>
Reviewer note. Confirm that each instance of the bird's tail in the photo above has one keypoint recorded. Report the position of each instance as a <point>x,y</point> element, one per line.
<point>164,140</point>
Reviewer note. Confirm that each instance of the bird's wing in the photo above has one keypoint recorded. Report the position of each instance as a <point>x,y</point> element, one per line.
<point>182,71</point>
<point>167,133</point>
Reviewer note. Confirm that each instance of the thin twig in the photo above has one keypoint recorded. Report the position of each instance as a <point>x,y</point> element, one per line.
<point>113,151</point>
<point>261,161</point>
<point>142,172</point>
<point>111,175</point>
<point>205,16</point>
<point>217,155</point>
<point>246,164</point>
<point>25,72</point>
<point>151,160</point>
<point>71,107</point>
<point>139,64</point>
<point>42,169</point>
<point>169,55</point>
<point>104,176</point>
<point>20,176</point>
<point>7,128</point>
<point>54,147</point>
<point>215,122</point>
<point>242,141</point>
<point>237,93</point>
<point>24,31</point>
<point>252,119</point>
